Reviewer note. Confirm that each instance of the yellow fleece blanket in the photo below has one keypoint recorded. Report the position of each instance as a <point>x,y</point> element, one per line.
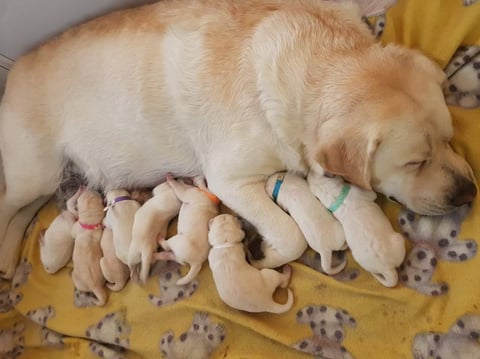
<point>434,312</point>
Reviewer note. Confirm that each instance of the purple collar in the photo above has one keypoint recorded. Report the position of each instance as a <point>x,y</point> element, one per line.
<point>116,200</point>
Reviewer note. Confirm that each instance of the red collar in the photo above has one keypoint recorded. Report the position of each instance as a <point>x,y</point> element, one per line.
<point>91,227</point>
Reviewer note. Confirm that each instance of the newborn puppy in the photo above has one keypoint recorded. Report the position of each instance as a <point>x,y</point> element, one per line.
<point>87,275</point>
<point>115,272</point>
<point>141,195</point>
<point>190,244</point>
<point>149,226</point>
<point>121,209</point>
<point>56,243</point>
<point>368,232</point>
<point>323,233</point>
<point>240,285</point>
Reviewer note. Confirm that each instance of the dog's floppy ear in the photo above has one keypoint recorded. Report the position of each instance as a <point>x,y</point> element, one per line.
<point>349,156</point>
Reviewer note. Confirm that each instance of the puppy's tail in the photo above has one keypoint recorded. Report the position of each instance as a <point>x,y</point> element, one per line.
<point>101,296</point>
<point>278,308</point>
<point>192,273</point>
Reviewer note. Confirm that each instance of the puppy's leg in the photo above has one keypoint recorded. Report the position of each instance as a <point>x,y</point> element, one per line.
<point>283,241</point>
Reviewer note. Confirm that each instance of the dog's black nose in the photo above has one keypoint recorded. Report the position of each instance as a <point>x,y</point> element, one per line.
<point>466,193</point>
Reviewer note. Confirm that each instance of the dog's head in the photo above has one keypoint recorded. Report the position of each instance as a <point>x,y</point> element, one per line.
<point>387,128</point>
<point>223,229</point>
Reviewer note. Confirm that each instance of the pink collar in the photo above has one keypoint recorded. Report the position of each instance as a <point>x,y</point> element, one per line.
<point>91,227</point>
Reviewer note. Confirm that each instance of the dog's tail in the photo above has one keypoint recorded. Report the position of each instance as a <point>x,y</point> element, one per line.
<point>192,273</point>
<point>278,308</point>
<point>326,262</point>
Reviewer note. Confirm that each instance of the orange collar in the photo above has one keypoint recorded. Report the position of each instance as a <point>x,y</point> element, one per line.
<point>211,196</point>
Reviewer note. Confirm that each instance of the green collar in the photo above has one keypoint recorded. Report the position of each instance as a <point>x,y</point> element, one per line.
<point>340,199</point>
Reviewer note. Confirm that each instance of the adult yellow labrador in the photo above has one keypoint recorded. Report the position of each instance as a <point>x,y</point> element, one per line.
<point>233,90</point>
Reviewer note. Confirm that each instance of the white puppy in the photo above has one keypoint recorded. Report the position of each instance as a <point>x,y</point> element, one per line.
<point>368,232</point>
<point>149,227</point>
<point>324,234</point>
<point>190,244</point>
<point>114,271</point>
<point>56,244</point>
<point>87,275</point>
<point>121,209</point>
<point>239,284</point>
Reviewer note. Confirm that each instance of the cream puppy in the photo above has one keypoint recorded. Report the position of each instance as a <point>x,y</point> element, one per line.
<point>87,275</point>
<point>149,226</point>
<point>114,271</point>
<point>368,232</point>
<point>323,233</point>
<point>240,285</point>
<point>190,244</point>
<point>121,209</point>
<point>56,243</point>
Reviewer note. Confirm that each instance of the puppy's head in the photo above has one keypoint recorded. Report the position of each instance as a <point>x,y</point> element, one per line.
<point>223,229</point>
<point>90,205</point>
<point>388,128</point>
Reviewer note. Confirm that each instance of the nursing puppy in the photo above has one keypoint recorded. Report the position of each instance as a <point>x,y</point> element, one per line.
<point>87,275</point>
<point>323,233</point>
<point>190,244</point>
<point>149,227</point>
<point>121,209</point>
<point>233,91</point>
<point>56,244</point>
<point>114,271</point>
<point>240,285</point>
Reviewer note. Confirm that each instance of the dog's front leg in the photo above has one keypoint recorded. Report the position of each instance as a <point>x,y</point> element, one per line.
<point>283,240</point>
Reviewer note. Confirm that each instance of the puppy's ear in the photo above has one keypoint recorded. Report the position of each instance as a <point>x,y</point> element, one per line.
<point>349,156</point>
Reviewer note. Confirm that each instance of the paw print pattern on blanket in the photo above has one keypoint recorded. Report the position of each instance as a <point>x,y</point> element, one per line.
<point>462,87</point>
<point>327,325</point>
<point>168,273</point>
<point>107,351</point>
<point>434,239</point>
<point>51,338</point>
<point>11,297</point>
<point>312,260</point>
<point>461,341</point>
<point>469,2</point>
<point>201,339</point>
<point>12,341</point>
<point>41,315</point>
<point>84,299</point>
<point>112,329</point>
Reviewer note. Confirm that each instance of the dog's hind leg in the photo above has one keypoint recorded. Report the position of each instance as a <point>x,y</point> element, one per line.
<point>31,173</point>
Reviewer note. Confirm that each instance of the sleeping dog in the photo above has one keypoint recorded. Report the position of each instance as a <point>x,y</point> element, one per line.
<point>234,91</point>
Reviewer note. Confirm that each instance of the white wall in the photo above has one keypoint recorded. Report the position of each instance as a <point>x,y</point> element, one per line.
<point>26,23</point>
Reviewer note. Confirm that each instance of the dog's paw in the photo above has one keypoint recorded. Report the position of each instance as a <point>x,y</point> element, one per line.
<point>12,341</point>
<point>453,250</point>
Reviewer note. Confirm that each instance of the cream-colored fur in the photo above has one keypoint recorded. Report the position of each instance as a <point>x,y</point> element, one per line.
<point>114,270</point>
<point>368,232</point>
<point>190,244</point>
<point>149,227</point>
<point>323,233</point>
<point>119,218</point>
<point>56,244</point>
<point>234,91</point>
<point>87,275</point>
<point>239,284</point>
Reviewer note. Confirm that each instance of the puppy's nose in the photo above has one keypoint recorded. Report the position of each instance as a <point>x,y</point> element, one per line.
<point>466,193</point>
